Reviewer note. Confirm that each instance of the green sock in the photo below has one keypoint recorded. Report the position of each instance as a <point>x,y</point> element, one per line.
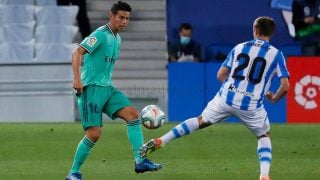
<point>135,137</point>
<point>83,150</point>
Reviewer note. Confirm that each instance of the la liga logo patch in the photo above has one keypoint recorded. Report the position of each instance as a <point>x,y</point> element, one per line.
<point>306,91</point>
<point>92,41</point>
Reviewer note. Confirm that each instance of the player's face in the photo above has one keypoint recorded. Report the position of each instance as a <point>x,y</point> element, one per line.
<point>120,20</point>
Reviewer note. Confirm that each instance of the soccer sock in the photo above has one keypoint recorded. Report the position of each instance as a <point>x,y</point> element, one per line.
<point>82,152</point>
<point>135,137</point>
<point>184,128</point>
<point>265,154</point>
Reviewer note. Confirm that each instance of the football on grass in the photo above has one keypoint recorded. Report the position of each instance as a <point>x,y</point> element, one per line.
<point>152,117</point>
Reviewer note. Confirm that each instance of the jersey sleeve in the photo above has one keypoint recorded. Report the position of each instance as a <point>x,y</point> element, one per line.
<point>282,71</point>
<point>228,61</point>
<point>93,41</point>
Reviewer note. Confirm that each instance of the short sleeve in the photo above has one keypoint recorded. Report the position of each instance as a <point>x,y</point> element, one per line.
<point>281,69</point>
<point>93,41</point>
<point>228,61</point>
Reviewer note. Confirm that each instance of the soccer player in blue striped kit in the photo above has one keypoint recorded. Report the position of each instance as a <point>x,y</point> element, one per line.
<point>246,75</point>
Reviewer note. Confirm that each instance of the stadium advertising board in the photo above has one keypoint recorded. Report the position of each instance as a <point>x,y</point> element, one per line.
<point>303,102</point>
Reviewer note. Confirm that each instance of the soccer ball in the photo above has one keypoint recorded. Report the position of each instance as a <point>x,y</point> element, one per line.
<point>152,117</point>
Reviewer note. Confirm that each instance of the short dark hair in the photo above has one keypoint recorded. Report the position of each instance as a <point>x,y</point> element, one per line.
<point>265,25</point>
<point>120,6</point>
<point>186,26</point>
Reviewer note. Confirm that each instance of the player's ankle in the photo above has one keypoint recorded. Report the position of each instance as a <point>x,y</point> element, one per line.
<point>158,143</point>
<point>264,177</point>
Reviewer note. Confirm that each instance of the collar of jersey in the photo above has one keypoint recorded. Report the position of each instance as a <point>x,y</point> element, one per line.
<point>262,40</point>
<point>111,30</point>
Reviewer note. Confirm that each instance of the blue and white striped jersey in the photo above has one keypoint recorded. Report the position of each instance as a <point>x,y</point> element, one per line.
<point>252,66</point>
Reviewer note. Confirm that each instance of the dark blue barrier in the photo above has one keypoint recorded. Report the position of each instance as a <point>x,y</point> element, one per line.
<point>277,112</point>
<point>185,90</point>
<point>193,85</point>
<point>233,28</point>
<point>212,83</point>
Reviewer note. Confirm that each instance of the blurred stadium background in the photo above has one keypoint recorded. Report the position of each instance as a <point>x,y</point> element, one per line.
<point>36,41</point>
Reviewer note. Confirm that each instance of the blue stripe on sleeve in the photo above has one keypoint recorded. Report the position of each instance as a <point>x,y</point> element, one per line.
<point>226,62</point>
<point>282,65</point>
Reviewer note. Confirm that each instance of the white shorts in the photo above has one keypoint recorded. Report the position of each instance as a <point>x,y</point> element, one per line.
<point>255,120</point>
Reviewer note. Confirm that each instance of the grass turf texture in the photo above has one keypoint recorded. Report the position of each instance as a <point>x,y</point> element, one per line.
<point>223,151</point>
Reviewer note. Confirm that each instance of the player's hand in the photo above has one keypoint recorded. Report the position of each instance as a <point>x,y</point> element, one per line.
<point>77,85</point>
<point>309,20</point>
<point>270,96</point>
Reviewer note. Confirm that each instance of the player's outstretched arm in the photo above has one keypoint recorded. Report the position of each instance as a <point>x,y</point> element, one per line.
<point>281,92</point>
<point>76,66</point>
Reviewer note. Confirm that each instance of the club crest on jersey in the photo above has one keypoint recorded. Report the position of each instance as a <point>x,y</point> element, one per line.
<point>92,41</point>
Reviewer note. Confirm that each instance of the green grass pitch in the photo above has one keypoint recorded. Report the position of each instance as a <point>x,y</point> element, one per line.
<point>223,151</point>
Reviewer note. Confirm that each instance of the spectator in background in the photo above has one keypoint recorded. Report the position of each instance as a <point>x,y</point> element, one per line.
<point>82,17</point>
<point>184,49</point>
<point>306,14</point>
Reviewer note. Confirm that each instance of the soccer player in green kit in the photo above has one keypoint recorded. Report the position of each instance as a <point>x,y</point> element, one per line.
<point>93,64</point>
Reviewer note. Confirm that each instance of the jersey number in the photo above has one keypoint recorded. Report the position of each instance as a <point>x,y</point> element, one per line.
<point>256,69</point>
<point>93,108</point>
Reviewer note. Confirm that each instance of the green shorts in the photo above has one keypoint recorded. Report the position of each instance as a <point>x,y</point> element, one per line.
<point>97,99</point>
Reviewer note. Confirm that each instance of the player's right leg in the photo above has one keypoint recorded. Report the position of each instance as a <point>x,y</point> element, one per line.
<point>89,106</point>
<point>264,152</point>
<point>182,129</point>
<point>213,113</point>
<point>82,152</point>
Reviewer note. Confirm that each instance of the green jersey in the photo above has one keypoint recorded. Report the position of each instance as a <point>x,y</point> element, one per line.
<point>103,50</point>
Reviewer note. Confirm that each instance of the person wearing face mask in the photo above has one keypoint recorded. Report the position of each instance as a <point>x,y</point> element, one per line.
<point>184,49</point>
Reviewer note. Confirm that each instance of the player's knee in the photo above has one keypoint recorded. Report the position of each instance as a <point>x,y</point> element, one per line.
<point>202,124</point>
<point>128,113</point>
<point>135,114</point>
<point>93,134</point>
<point>267,134</point>
<point>131,114</point>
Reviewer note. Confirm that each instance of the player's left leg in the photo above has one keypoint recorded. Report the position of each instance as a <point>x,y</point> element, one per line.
<point>135,136</point>
<point>134,131</point>
<point>258,122</point>
<point>119,105</point>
